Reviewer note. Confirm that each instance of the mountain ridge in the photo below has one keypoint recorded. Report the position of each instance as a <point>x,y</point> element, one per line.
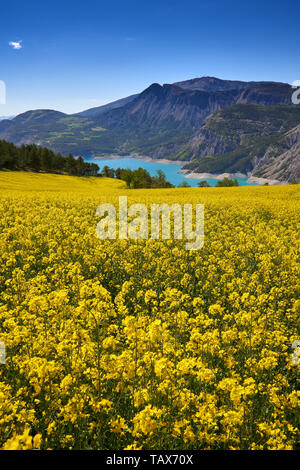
<point>161,121</point>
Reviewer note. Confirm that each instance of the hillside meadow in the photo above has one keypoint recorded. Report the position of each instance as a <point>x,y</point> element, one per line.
<point>121,344</point>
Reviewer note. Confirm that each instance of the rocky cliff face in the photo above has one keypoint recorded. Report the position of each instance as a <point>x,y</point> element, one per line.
<point>280,164</point>
<point>261,140</point>
<point>209,142</point>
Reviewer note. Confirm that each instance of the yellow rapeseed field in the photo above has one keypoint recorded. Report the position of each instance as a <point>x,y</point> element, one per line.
<point>121,344</point>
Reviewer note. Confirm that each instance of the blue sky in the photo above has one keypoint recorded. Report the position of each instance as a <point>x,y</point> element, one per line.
<point>76,55</point>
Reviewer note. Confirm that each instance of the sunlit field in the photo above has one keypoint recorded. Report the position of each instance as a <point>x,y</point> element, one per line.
<point>121,344</point>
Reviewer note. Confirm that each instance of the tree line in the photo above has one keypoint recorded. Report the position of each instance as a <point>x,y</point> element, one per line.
<point>34,158</point>
<point>224,183</point>
<point>139,178</point>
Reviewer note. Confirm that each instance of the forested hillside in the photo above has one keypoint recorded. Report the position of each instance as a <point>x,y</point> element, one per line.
<point>33,157</point>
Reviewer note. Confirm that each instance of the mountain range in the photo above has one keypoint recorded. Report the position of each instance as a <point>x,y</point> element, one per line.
<point>212,125</point>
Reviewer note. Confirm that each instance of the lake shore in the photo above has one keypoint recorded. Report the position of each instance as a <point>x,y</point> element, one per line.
<point>211,175</point>
<point>194,175</point>
<point>251,179</point>
<point>143,158</point>
<point>257,180</point>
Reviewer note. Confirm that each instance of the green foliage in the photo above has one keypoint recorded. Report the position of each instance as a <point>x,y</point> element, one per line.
<point>185,154</point>
<point>139,178</point>
<point>203,184</point>
<point>184,184</point>
<point>34,158</point>
<point>107,172</point>
<point>226,182</point>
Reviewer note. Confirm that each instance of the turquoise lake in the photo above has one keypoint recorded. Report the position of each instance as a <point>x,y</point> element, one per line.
<point>170,170</point>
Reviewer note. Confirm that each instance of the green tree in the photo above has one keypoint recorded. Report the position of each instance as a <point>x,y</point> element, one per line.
<point>203,184</point>
<point>108,172</point>
<point>70,165</point>
<point>184,184</point>
<point>226,182</point>
<point>46,160</point>
<point>80,166</point>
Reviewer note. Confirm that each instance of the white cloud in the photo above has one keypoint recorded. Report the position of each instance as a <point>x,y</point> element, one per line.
<point>15,44</point>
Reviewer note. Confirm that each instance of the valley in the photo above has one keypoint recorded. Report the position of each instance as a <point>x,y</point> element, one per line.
<point>215,125</point>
